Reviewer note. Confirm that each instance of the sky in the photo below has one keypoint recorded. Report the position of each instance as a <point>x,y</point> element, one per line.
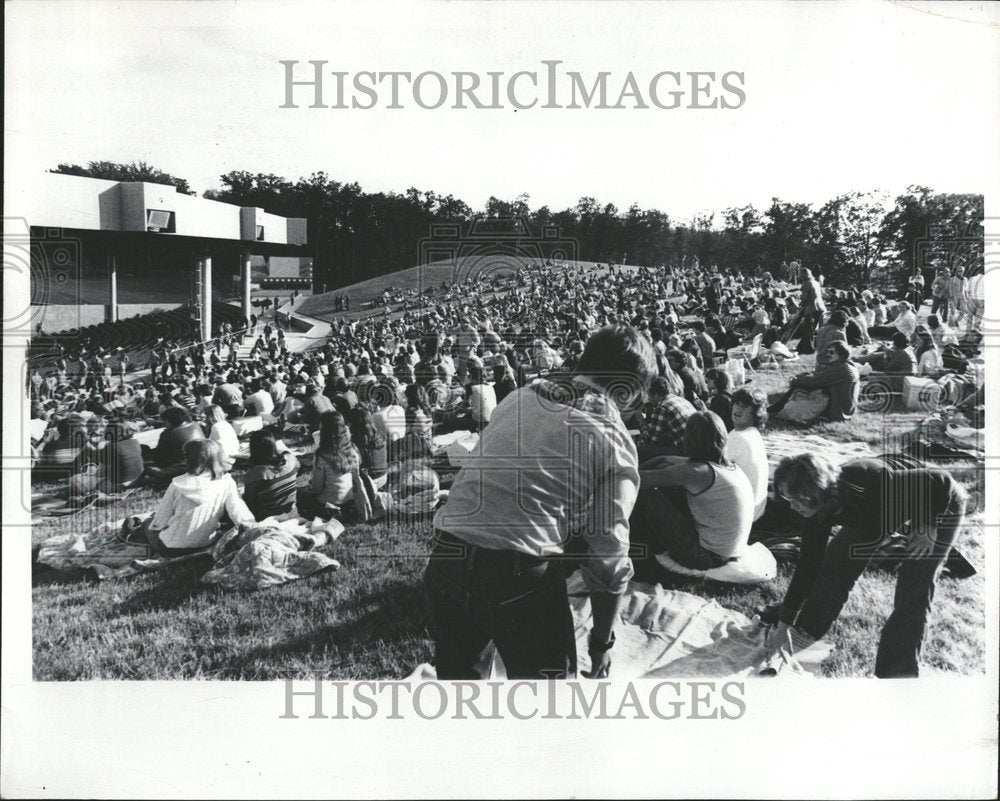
<point>839,97</point>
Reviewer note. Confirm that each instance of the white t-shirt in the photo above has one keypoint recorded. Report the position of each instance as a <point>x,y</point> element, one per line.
<point>261,400</point>
<point>746,448</point>
<point>482,402</point>
<point>391,421</point>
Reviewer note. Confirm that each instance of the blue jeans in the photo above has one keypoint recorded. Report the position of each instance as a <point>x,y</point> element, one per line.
<point>518,602</point>
<point>662,521</point>
<point>847,555</point>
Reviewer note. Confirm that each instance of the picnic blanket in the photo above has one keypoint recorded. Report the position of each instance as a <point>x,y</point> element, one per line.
<point>669,633</point>
<point>275,551</point>
<point>54,503</point>
<point>780,444</point>
<point>101,551</point>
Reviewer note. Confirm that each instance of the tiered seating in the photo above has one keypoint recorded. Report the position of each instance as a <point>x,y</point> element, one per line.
<point>136,336</point>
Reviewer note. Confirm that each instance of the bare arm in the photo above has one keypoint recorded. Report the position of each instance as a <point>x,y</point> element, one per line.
<point>692,477</point>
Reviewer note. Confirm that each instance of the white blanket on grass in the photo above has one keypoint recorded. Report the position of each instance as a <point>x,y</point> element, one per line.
<point>668,633</point>
<point>780,444</point>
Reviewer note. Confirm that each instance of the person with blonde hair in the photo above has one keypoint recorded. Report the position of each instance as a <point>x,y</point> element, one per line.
<point>869,500</point>
<point>189,514</point>
<point>220,430</point>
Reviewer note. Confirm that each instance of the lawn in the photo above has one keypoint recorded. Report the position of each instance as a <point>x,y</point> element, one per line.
<point>369,620</point>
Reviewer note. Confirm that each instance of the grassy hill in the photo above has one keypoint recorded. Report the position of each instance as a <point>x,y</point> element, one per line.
<point>369,619</point>
<point>420,278</point>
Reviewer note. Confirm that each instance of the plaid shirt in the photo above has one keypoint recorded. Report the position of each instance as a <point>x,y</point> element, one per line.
<point>665,425</point>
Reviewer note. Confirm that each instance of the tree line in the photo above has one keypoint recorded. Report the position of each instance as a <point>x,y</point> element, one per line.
<point>858,238</point>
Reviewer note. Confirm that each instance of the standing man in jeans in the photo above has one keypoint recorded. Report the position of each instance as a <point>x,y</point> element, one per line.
<point>941,292</point>
<point>869,500</point>
<point>555,462</point>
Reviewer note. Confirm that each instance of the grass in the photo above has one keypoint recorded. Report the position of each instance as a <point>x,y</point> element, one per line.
<point>369,620</point>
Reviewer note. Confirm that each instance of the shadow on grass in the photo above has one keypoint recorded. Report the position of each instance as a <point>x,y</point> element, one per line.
<point>170,588</point>
<point>399,608</point>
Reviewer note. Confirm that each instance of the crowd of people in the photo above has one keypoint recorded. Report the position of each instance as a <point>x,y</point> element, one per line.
<point>622,379</point>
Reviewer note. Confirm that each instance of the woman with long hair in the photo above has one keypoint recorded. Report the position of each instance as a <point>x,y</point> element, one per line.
<point>698,508</point>
<point>371,444</point>
<point>419,418</point>
<point>336,460</point>
<point>927,353</point>
<point>189,514</point>
<point>220,430</point>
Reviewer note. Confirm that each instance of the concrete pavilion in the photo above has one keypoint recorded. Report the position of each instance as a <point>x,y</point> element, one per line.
<point>104,250</point>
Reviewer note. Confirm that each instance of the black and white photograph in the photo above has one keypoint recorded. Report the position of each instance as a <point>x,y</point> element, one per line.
<point>500,399</point>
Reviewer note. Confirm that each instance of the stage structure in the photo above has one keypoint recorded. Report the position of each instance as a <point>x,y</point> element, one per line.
<point>104,250</point>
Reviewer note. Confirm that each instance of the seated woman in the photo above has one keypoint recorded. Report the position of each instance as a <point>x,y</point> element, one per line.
<point>331,487</point>
<point>168,456</point>
<point>189,514</point>
<point>222,431</point>
<point>869,501</point>
<point>271,480</point>
<point>371,444</point>
<point>928,356</point>
<point>699,508</point>
<point>892,365</point>
<point>720,384</point>
<point>123,459</point>
<point>745,445</point>
<point>839,378</point>
<point>857,327</point>
<point>419,418</point>
<point>88,467</point>
<point>504,381</point>
<point>905,321</point>
<point>482,398</point>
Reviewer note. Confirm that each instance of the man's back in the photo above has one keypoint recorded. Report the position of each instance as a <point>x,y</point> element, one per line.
<point>540,467</point>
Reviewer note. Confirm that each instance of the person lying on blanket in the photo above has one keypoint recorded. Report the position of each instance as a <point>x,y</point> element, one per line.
<point>189,514</point>
<point>555,461</point>
<point>869,501</point>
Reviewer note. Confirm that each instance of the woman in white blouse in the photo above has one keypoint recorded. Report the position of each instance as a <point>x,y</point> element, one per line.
<point>189,514</point>
<point>222,432</point>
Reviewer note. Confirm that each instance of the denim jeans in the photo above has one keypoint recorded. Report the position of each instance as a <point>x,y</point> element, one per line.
<point>517,602</point>
<point>847,555</point>
<point>941,307</point>
<point>661,519</point>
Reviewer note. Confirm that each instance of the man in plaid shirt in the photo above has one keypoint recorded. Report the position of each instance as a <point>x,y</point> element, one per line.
<point>663,431</point>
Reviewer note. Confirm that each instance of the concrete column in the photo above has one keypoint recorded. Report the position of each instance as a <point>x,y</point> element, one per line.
<point>246,284</point>
<point>112,287</point>
<point>206,298</point>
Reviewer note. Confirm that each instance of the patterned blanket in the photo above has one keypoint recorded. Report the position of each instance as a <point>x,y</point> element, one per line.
<point>277,550</point>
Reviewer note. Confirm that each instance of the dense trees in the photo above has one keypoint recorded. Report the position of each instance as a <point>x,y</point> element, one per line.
<point>858,237</point>
<point>133,171</point>
<point>855,238</point>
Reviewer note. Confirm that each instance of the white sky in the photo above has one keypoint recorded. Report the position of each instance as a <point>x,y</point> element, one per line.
<point>839,97</point>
